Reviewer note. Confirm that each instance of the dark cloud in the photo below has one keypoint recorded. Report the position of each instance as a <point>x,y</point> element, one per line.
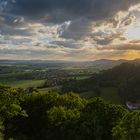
<point>13,25</point>
<point>107,39</point>
<point>75,29</point>
<point>9,30</point>
<point>55,9</point>
<point>67,44</point>
<point>14,32</point>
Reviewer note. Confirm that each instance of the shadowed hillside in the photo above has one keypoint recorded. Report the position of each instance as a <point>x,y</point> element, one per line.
<point>124,80</point>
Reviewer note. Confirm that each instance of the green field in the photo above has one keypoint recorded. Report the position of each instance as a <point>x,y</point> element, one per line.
<point>88,94</point>
<point>109,94</point>
<point>23,83</point>
<point>43,90</point>
<point>82,77</point>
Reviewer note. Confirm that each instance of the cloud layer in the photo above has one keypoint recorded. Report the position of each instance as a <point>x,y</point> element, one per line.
<point>68,29</point>
<point>94,9</point>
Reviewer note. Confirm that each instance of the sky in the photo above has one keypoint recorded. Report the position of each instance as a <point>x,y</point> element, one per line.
<point>75,30</point>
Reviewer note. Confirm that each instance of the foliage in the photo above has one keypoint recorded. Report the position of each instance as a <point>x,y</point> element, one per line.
<point>128,128</point>
<point>50,116</point>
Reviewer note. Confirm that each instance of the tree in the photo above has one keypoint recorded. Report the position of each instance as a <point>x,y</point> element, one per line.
<point>128,128</point>
<point>10,107</point>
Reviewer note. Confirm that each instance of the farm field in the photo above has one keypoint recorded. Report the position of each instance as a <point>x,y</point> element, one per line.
<point>23,83</point>
<point>110,94</point>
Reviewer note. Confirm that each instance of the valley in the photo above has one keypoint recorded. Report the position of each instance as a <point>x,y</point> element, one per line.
<point>102,78</point>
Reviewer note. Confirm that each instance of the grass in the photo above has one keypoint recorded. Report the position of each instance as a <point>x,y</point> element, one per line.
<point>82,77</point>
<point>88,94</point>
<point>55,89</point>
<point>23,83</point>
<point>43,90</point>
<point>109,94</point>
<point>71,68</point>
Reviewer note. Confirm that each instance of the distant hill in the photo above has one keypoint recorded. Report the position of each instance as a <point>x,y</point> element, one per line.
<point>106,63</point>
<point>94,66</point>
<point>136,61</point>
<point>98,65</point>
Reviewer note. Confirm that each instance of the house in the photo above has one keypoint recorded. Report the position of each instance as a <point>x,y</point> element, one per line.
<point>132,106</point>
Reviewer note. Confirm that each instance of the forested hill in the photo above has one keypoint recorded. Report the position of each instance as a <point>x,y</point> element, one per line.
<point>125,79</point>
<point>125,73</point>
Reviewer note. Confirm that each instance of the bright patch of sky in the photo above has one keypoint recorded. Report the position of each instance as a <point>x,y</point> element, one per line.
<point>133,32</point>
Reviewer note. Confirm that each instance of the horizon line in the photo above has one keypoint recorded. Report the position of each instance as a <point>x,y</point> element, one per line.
<point>68,60</point>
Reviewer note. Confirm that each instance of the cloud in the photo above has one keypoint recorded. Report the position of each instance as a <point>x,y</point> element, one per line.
<point>93,9</point>
<point>131,45</point>
<point>75,29</point>
<point>66,29</point>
